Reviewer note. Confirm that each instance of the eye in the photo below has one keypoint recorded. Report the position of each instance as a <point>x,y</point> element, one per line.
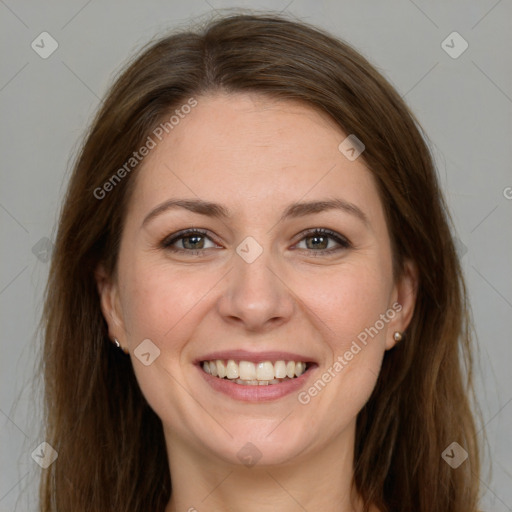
<point>194,241</point>
<point>191,241</point>
<point>322,240</point>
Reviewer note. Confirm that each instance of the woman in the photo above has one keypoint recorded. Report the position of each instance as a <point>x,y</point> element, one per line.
<point>255,302</point>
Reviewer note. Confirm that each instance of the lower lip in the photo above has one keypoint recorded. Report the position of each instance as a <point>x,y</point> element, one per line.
<point>249,393</point>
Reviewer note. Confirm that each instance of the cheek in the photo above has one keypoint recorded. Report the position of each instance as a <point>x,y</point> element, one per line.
<point>348,304</point>
<point>160,304</point>
<point>347,300</point>
<point>158,300</point>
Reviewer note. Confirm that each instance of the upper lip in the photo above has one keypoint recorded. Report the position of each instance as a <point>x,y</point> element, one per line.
<point>255,357</point>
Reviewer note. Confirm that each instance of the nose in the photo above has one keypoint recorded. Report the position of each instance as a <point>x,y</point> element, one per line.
<point>255,296</point>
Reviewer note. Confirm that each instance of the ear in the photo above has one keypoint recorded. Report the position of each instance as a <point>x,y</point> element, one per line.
<point>403,301</point>
<point>110,304</point>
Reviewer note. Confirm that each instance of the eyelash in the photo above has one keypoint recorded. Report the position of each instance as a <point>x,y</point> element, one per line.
<point>344,243</point>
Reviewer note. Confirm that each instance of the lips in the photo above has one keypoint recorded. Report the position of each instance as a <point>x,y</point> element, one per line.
<point>255,376</point>
<point>254,357</point>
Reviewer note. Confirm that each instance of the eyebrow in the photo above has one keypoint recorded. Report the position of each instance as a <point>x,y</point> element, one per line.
<point>295,210</point>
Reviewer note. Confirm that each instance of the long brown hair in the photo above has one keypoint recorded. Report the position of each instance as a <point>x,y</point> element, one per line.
<point>110,444</point>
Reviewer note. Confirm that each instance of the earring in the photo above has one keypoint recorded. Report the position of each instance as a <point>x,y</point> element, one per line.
<point>397,336</point>
<point>118,345</point>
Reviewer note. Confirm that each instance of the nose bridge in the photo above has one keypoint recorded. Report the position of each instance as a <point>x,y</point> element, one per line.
<point>255,296</point>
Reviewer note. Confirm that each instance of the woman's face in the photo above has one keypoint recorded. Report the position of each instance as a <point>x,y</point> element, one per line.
<point>253,288</point>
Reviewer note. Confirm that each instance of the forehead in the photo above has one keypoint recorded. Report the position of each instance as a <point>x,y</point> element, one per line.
<point>247,149</point>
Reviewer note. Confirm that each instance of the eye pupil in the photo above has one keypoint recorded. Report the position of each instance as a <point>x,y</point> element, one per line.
<point>193,242</point>
<point>318,242</point>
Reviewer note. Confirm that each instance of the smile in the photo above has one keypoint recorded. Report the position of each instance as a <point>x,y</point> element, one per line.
<point>248,373</point>
<point>255,376</point>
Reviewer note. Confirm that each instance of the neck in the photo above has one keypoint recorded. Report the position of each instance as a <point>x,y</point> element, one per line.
<point>321,480</point>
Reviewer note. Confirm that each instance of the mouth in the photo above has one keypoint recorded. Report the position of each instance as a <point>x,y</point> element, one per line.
<point>255,377</point>
<point>249,373</point>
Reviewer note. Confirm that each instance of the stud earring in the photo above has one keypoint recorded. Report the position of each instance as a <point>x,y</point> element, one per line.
<point>397,336</point>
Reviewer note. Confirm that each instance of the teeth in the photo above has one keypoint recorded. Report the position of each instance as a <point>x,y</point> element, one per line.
<point>247,370</point>
<point>300,368</point>
<point>265,371</point>
<point>232,370</point>
<point>280,369</point>
<point>221,369</point>
<point>259,374</point>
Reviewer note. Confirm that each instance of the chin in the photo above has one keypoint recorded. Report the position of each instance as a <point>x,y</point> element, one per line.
<point>258,444</point>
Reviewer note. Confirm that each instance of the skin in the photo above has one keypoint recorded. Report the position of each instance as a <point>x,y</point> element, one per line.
<point>255,156</point>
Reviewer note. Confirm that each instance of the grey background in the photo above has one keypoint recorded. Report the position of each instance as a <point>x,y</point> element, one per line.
<point>464,104</point>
